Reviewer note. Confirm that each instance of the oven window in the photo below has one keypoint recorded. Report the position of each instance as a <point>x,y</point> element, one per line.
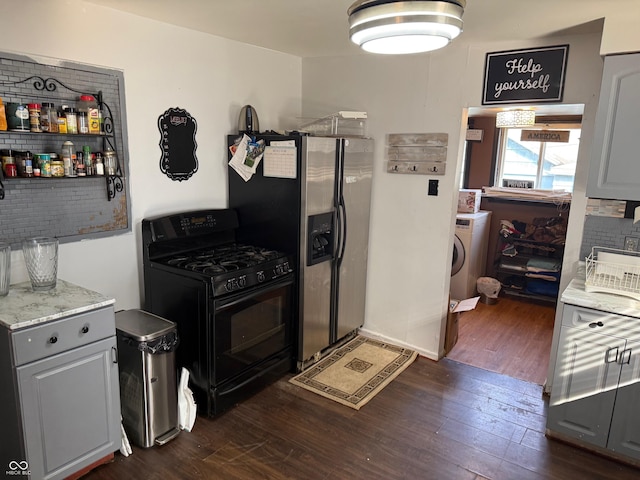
<point>250,330</point>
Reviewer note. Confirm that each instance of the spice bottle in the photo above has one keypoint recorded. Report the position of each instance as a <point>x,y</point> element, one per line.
<point>62,120</point>
<point>99,167</point>
<point>48,118</point>
<point>44,164</point>
<point>28,164</point>
<point>80,167</point>
<point>83,123</point>
<point>88,166</point>
<point>34,117</point>
<point>68,159</point>
<point>89,104</point>
<point>72,120</point>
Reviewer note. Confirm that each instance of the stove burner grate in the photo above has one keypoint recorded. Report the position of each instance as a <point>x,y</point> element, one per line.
<point>222,259</point>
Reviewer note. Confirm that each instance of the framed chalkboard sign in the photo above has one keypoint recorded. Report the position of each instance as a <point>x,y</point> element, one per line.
<point>533,75</point>
<point>178,144</point>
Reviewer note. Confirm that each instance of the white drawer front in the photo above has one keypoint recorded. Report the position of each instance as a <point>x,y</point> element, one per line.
<point>59,336</point>
<point>601,322</point>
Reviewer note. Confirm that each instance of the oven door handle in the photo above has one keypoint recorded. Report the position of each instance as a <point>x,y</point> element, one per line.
<point>241,296</point>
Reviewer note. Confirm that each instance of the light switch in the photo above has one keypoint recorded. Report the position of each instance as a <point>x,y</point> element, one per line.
<point>433,187</point>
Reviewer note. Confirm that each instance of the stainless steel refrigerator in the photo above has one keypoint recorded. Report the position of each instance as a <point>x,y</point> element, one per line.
<point>320,217</point>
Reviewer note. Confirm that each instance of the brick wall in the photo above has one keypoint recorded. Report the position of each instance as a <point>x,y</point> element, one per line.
<point>68,208</point>
<point>600,231</point>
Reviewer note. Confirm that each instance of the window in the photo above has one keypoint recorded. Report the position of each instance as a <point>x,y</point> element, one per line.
<point>546,165</point>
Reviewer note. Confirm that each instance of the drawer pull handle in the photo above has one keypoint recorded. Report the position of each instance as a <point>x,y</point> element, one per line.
<point>85,329</point>
<point>53,339</point>
<point>596,324</point>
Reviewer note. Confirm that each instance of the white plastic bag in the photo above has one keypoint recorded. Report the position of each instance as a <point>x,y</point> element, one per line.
<point>186,403</point>
<point>125,446</point>
<point>489,286</point>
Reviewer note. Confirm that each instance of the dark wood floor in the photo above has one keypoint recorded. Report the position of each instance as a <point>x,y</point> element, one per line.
<point>512,337</point>
<point>443,420</point>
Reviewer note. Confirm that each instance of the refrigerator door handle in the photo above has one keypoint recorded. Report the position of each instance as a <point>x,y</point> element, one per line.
<point>342,228</point>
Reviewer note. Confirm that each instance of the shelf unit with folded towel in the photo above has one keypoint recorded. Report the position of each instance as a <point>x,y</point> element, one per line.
<point>528,268</point>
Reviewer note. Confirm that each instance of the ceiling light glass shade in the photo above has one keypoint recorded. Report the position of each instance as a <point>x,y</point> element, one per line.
<point>401,27</point>
<point>515,118</point>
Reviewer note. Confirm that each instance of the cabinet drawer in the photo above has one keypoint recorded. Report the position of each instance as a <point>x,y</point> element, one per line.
<point>601,322</point>
<point>61,335</point>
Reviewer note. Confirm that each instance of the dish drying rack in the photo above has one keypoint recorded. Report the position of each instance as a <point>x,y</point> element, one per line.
<point>615,271</point>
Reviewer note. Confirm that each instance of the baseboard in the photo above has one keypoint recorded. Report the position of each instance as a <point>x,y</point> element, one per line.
<point>421,351</point>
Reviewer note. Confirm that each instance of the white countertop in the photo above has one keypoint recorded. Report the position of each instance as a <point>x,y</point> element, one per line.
<point>575,294</point>
<point>23,307</point>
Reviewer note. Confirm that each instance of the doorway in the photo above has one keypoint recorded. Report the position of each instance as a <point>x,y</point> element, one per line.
<point>514,335</point>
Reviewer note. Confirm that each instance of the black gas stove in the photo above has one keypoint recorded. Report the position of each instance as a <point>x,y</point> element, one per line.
<point>202,244</point>
<point>232,303</point>
<point>232,267</point>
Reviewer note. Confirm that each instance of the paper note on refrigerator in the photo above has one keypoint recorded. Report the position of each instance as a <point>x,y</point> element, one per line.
<point>280,162</point>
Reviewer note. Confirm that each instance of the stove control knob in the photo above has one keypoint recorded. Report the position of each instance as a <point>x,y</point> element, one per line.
<point>231,285</point>
<point>286,267</point>
<point>242,281</point>
<point>261,277</point>
<point>279,270</point>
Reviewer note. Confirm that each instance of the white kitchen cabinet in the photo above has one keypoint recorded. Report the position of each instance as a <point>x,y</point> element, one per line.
<point>60,398</point>
<point>624,436</point>
<point>615,167</point>
<point>596,386</point>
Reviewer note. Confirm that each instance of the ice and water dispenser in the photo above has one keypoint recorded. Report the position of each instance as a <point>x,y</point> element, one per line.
<point>320,241</point>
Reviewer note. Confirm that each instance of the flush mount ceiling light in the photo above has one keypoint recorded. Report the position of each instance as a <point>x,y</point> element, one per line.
<point>399,27</point>
<point>515,118</point>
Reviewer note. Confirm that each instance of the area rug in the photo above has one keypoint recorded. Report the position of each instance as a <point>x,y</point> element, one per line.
<point>354,373</point>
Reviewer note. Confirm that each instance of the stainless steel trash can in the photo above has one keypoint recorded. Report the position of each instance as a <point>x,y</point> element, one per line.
<point>148,383</point>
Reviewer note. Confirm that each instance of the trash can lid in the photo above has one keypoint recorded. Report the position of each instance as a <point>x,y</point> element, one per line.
<point>142,326</point>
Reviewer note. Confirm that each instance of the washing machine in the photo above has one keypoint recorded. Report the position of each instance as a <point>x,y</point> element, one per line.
<point>469,253</point>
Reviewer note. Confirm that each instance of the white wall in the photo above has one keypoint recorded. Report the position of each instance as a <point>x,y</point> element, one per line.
<point>163,67</point>
<point>411,233</point>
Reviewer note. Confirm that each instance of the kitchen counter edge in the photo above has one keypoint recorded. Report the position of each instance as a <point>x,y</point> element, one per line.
<point>23,307</point>
<point>575,294</point>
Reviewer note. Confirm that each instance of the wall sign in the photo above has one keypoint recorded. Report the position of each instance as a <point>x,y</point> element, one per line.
<point>558,136</point>
<point>525,76</point>
<point>178,144</point>
<point>517,183</point>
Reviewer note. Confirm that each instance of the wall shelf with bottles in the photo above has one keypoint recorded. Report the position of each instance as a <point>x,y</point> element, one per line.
<point>69,207</point>
<point>43,87</point>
